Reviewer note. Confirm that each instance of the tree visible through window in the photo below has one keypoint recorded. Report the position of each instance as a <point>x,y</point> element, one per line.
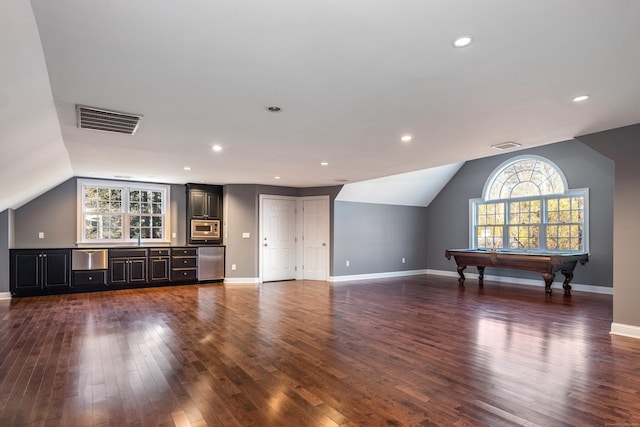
<point>122,212</point>
<point>526,206</point>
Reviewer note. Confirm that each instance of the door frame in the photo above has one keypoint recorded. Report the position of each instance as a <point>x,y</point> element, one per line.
<point>299,255</point>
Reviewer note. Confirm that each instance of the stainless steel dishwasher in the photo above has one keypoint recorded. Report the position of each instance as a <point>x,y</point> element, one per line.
<point>89,267</point>
<point>210,263</point>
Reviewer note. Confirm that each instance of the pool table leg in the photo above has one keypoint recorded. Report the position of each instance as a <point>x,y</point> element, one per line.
<point>460,272</point>
<point>480,275</point>
<point>548,281</point>
<point>568,275</point>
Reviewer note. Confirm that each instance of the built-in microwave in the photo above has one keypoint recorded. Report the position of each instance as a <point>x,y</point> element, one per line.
<point>205,229</point>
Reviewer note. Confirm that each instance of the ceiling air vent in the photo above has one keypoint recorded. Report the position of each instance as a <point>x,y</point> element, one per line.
<point>107,121</point>
<point>506,145</point>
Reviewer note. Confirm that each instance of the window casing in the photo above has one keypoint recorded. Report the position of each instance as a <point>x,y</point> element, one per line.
<point>122,212</point>
<point>526,207</point>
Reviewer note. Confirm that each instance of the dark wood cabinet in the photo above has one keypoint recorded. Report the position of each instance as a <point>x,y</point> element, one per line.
<point>159,265</point>
<point>89,279</point>
<point>39,271</point>
<point>204,202</point>
<point>184,264</point>
<point>128,266</point>
<point>204,205</point>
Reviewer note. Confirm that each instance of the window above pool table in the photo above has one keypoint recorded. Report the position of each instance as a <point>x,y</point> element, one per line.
<point>526,205</point>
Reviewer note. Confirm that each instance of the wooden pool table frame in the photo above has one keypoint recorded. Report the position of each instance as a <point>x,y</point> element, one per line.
<point>546,263</point>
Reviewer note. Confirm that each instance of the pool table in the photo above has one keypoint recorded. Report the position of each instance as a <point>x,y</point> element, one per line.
<point>546,263</point>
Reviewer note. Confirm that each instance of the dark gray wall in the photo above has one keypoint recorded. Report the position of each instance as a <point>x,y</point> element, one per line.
<point>374,238</point>
<point>6,218</point>
<point>242,214</point>
<point>448,214</point>
<point>55,214</point>
<point>623,146</point>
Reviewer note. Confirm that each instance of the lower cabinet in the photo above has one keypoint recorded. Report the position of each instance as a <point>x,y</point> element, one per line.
<point>49,271</point>
<point>127,266</point>
<point>89,279</point>
<point>159,265</point>
<point>184,265</point>
<point>39,271</point>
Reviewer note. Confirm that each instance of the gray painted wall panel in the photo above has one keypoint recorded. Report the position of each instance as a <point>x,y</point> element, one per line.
<point>375,238</point>
<point>240,217</point>
<point>583,168</point>
<point>623,146</point>
<point>6,218</point>
<point>55,214</point>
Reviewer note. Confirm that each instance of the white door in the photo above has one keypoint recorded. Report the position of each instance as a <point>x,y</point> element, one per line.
<point>315,238</point>
<point>278,234</point>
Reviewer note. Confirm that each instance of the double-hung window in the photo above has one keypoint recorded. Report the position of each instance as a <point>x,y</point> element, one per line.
<point>122,212</point>
<point>526,206</point>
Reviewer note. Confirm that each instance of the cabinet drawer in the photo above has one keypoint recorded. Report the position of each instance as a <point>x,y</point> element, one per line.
<point>158,252</point>
<point>184,262</point>
<point>89,278</point>
<point>179,275</point>
<point>184,251</point>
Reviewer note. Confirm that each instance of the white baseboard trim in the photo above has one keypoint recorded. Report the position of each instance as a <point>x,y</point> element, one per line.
<point>528,282</point>
<point>241,280</point>
<point>377,275</point>
<point>625,330</point>
<point>5,295</point>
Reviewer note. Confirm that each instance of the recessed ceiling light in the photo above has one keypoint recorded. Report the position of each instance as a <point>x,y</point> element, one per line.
<point>187,168</point>
<point>463,41</point>
<point>274,108</point>
<point>217,148</point>
<point>406,138</point>
<point>324,163</point>
<point>581,98</point>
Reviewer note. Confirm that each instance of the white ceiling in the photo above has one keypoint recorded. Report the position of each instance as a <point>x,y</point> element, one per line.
<point>351,78</point>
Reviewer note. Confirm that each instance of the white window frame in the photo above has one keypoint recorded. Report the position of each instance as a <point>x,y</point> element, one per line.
<point>580,192</point>
<point>126,187</point>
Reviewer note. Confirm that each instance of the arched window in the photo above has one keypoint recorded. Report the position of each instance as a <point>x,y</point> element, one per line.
<point>526,205</point>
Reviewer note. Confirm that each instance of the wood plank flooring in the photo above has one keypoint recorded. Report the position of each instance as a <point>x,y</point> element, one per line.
<point>415,351</point>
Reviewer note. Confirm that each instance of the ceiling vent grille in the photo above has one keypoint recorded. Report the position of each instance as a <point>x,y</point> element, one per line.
<point>506,145</point>
<point>107,121</point>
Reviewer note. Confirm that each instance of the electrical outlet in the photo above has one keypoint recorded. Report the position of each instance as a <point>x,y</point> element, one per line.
<point>347,263</point>
<point>233,267</point>
<point>403,260</point>
<point>41,235</point>
<point>174,235</point>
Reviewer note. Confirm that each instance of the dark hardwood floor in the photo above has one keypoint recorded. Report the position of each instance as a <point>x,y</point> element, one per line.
<point>414,351</point>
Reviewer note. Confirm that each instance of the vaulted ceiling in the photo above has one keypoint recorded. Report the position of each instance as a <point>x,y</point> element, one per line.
<point>350,77</point>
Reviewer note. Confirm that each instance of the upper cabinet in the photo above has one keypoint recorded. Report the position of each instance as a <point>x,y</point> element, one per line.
<point>204,202</point>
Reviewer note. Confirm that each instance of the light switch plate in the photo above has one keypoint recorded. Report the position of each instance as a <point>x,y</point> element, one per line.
<point>246,235</point>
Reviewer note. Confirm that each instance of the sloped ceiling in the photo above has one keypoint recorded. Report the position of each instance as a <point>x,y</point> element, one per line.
<point>351,77</point>
<point>417,188</point>
<point>33,155</point>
